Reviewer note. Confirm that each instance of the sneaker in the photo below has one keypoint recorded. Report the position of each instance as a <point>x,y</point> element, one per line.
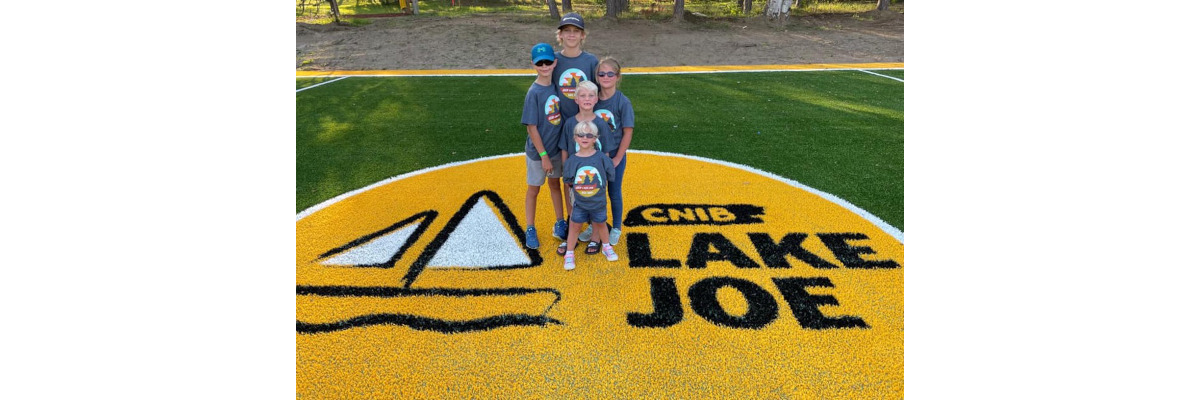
<point>609,253</point>
<point>569,261</point>
<point>614,236</point>
<point>560,230</point>
<point>586,235</point>
<point>531,238</point>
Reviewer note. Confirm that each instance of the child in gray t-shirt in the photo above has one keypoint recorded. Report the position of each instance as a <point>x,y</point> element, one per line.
<point>590,171</point>
<point>543,162</point>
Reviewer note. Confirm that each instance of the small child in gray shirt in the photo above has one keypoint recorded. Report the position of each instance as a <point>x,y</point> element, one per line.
<point>587,173</point>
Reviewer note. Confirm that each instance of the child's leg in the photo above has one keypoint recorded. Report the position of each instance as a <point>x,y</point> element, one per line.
<point>556,197</point>
<point>568,201</point>
<point>614,194</point>
<point>531,203</point>
<point>599,228</point>
<point>573,235</point>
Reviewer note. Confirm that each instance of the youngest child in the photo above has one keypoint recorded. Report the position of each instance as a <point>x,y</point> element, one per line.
<point>592,171</point>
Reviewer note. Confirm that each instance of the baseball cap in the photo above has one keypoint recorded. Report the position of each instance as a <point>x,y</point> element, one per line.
<point>571,19</point>
<point>541,51</point>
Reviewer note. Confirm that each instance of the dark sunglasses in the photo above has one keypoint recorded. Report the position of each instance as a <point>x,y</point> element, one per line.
<point>610,74</point>
<point>543,63</point>
<point>586,135</point>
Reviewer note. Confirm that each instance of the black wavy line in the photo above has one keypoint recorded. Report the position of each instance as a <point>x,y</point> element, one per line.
<point>386,291</point>
<point>428,324</point>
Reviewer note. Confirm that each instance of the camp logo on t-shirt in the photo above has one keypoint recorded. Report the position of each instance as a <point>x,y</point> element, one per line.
<point>569,80</point>
<point>608,117</point>
<point>588,181</point>
<point>553,110</point>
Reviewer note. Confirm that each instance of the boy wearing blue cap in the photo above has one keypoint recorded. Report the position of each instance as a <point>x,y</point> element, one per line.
<point>543,120</point>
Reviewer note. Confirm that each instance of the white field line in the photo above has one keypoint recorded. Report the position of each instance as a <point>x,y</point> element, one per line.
<point>750,70</point>
<point>885,76</point>
<point>322,83</point>
<point>891,230</point>
<point>376,75</point>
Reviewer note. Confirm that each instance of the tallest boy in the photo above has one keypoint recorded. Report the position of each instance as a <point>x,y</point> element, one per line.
<point>574,64</point>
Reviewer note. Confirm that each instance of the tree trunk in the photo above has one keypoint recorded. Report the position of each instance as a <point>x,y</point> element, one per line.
<point>882,5</point>
<point>777,10</point>
<point>414,5</point>
<point>611,8</point>
<point>678,15</point>
<point>553,9</point>
<point>746,6</point>
<point>337,14</point>
<point>567,6</point>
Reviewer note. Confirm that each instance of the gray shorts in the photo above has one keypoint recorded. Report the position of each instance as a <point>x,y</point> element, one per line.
<point>536,176</point>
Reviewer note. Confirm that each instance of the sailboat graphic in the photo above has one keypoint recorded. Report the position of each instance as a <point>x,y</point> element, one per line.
<point>474,239</point>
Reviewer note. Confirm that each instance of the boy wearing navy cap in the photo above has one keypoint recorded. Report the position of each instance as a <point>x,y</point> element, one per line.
<point>574,64</point>
<point>543,120</point>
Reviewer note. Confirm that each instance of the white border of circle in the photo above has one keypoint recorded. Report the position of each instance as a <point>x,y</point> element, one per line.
<point>888,228</point>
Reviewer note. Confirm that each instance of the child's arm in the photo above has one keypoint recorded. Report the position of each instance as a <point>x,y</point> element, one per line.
<point>626,139</point>
<point>537,144</point>
<point>610,168</point>
<point>568,179</point>
<point>564,140</point>
<point>626,110</point>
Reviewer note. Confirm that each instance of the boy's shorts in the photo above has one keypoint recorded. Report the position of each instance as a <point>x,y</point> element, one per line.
<point>581,216</point>
<point>536,176</point>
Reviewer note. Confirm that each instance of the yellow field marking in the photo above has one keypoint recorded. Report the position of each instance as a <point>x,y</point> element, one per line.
<point>529,71</point>
<point>747,311</point>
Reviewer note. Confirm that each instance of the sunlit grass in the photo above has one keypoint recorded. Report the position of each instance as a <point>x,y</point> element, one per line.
<point>303,83</point>
<point>841,7</point>
<point>838,131</point>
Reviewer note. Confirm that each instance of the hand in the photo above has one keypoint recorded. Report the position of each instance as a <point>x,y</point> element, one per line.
<point>617,160</point>
<point>546,165</point>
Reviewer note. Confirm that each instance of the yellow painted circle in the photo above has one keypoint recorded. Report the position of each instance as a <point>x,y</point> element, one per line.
<point>420,287</point>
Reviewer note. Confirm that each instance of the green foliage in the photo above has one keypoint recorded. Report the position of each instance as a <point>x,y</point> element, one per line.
<point>838,131</point>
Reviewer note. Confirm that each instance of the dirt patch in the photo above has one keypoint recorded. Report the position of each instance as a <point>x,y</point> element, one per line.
<point>503,41</point>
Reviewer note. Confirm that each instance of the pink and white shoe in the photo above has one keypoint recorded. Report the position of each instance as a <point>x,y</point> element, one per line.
<point>609,253</point>
<point>569,263</point>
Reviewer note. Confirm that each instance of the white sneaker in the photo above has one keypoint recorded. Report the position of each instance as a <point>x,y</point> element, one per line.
<point>586,235</point>
<point>614,236</point>
<point>569,263</point>
<point>609,253</point>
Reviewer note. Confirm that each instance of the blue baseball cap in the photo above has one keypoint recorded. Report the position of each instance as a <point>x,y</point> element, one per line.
<point>572,19</point>
<point>541,51</point>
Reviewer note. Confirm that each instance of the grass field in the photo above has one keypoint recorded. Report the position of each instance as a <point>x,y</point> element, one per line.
<point>841,132</point>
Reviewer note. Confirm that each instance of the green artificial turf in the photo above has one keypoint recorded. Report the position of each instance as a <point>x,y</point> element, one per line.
<point>841,132</point>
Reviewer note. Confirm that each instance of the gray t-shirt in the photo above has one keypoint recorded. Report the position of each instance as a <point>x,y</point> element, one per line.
<point>567,141</point>
<point>618,111</point>
<point>589,177</point>
<point>542,109</point>
<point>568,73</point>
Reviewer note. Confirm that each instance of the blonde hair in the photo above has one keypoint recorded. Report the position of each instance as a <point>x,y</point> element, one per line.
<point>588,85</point>
<point>615,65</point>
<point>587,127</point>
<point>582,39</point>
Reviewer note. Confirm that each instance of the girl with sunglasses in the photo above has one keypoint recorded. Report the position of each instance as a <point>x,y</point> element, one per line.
<point>615,108</point>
